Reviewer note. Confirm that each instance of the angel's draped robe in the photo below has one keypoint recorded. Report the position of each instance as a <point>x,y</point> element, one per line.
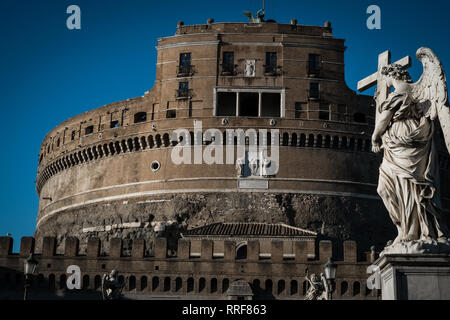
<point>409,173</point>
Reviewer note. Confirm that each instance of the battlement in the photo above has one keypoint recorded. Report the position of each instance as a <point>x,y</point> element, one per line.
<point>226,250</point>
<point>201,269</point>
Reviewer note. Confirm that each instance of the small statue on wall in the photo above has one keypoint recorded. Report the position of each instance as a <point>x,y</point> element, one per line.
<point>318,287</point>
<point>111,287</point>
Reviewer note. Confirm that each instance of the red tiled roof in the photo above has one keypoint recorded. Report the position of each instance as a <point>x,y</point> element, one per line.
<point>248,229</point>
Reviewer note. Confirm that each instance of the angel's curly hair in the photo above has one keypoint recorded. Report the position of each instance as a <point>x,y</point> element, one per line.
<point>396,71</point>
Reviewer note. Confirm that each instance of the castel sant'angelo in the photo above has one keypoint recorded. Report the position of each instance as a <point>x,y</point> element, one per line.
<point>107,178</point>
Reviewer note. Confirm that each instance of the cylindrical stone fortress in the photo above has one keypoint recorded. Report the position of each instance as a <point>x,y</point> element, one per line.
<point>109,173</point>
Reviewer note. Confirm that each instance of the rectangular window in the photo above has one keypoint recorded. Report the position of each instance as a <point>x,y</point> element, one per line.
<point>314,64</point>
<point>248,104</point>
<point>72,136</point>
<point>89,130</point>
<point>314,90</point>
<point>184,68</point>
<point>324,111</point>
<point>301,110</point>
<point>270,104</point>
<point>226,104</point>
<point>271,63</point>
<point>183,89</point>
<point>170,114</point>
<point>228,63</point>
<point>114,124</point>
<point>342,111</point>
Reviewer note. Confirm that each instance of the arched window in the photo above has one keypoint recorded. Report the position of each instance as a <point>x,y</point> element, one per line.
<point>85,282</point>
<point>213,285</point>
<point>294,287</point>
<point>294,140</point>
<point>268,286</point>
<point>356,288</point>
<point>201,284</point>
<point>225,285</point>
<point>51,282</point>
<point>140,117</point>
<point>167,284</point>
<point>143,283</point>
<point>97,282</point>
<point>311,140</point>
<point>344,287</point>
<point>327,142</point>
<point>319,141</point>
<point>166,140</point>
<point>281,286</point>
<point>62,281</point>
<point>335,142</point>
<point>178,284</point>
<point>155,283</point>
<point>241,251</point>
<point>302,140</point>
<point>285,139</point>
<point>132,283</point>
<point>190,285</point>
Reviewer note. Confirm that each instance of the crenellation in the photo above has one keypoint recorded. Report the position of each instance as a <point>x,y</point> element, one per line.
<point>276,254</point>
<point>49,247</point>
<point>71,247</point>
<point>325,250</point>
<point>115,250</point>
<point>207,249</point>
<point>138,249</point>
<point>93,248</point>
<point>350,251</point>
<point>6,245</point>
<point>26,246</point>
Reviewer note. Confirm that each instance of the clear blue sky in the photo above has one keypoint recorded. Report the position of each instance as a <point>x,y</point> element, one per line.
<point>49,73</point>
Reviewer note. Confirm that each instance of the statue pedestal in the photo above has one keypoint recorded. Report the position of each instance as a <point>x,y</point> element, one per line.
<point>415,276</point>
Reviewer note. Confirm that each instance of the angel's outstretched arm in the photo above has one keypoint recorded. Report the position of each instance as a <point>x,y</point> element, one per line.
<point>380,127</point>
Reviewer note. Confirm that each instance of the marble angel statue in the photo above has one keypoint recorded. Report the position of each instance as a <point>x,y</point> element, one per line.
<point>409,174</point>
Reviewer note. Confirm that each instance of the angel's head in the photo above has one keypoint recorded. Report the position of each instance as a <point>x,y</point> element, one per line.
<point>396,72</point>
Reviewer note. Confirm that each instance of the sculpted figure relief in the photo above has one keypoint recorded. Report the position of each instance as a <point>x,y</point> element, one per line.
<point>409,174</point>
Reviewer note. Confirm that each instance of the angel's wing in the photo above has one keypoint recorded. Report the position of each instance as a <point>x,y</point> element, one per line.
<point>431,90</point>
<point>249,15</point>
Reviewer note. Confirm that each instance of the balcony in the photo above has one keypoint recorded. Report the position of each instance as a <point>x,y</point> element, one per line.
<point>185,71</point>
<point>272,71</point>
<point>183,94</point>
<point>313,71</point>
<point>228,70</point>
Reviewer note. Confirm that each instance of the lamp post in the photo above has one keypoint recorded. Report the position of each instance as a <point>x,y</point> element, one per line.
<point>30,265</point>
<point>330,276</point>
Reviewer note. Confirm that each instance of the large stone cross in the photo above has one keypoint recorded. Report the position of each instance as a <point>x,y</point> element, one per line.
<point>384,59</point>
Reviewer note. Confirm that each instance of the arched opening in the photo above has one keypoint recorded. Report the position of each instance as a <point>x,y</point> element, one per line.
<point>281,286</point>
<point>97,282</point>
<point>51,282</point>
<point>213,285</point>
<point>294,140</point>
<point>178,284</point>
<point>285,139</point>
<point>302,140</point>
<point>225,285</point>
<point>344,287</point>
<point>140,117</point>
<point>356,288</point>
<point>143,283</point>
<point>62,281</point>
<point>201,284</point>
<point>268,286</point>
<point>166,140</point>
<point>155,283</point>
<point>241,251</point>
<point>132,283</point>
<point>311,140</point>
<point>294,287</point>
<point>190,285</point>
<point>319,141</point>
<point>167,284</point>
<point>85,282</point>
<point>335,142</point>
<point>327,142</point>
